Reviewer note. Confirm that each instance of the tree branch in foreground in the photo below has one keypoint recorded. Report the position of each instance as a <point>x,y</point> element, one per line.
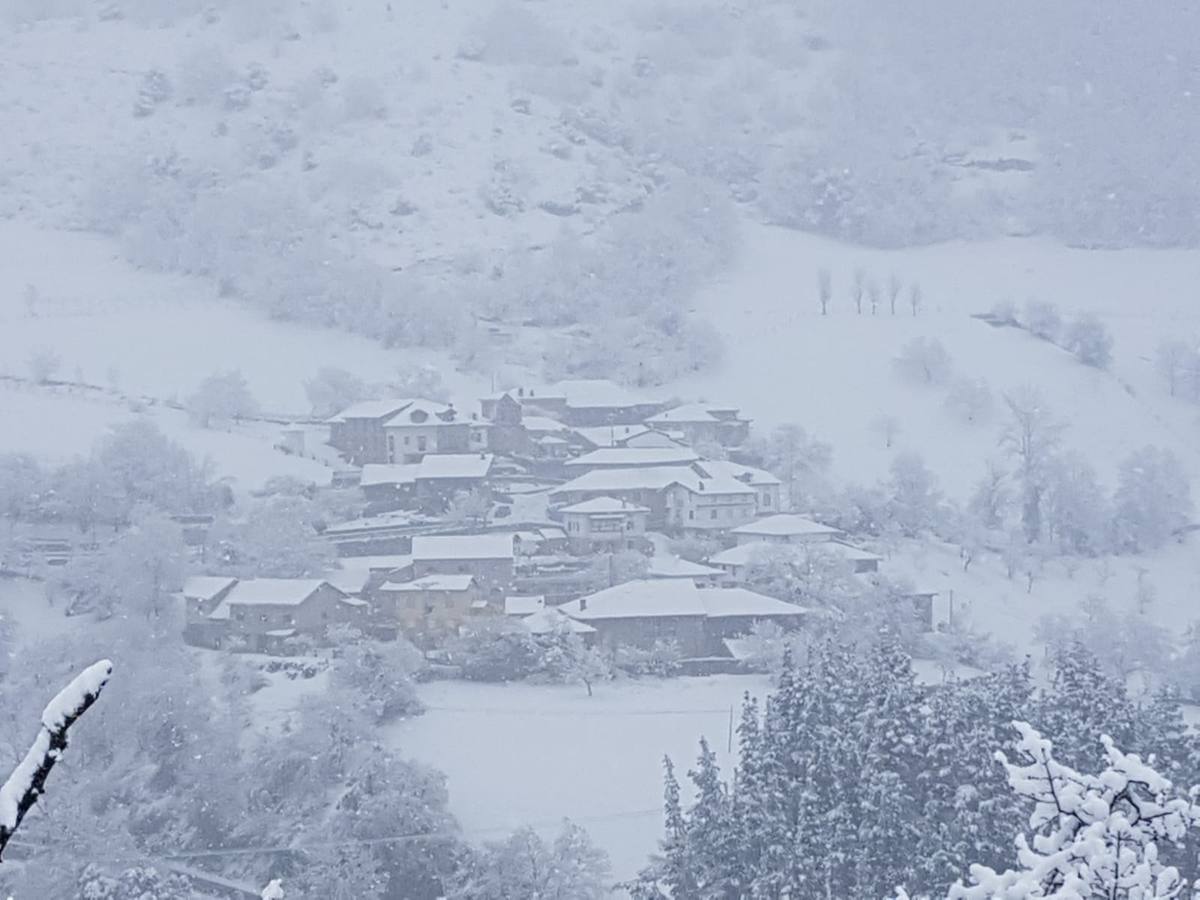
<point>28,780</point>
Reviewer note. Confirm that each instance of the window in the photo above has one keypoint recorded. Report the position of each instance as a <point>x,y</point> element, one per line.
<point>421,443</point>
<point>766,501</point>
<point>289,620</point>
<point>712,513</point>
<point>391,448</point>
<point>691,514</point>
<point>407,440</point>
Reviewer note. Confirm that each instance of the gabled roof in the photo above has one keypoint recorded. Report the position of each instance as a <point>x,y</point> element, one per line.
<point>650,478</point>
<point>372,409</point>
<point>603,505</point>
<point>786,525</point>
<point>746,474</point>
<point>689,414</point>
<point>674,598</point>
<point>387,563</point>
<point>205,587</point>
<point>551,621</point>
<point>596,393</point>
<point>349,581</point>
<point>462,546</point>
<point>454,582</point>
<point>619,457</point>
<point>455,465</point>
<point>674,567</point>
<point>637,599</point>
<point>609,435</point>
<point>744,554</point>
<point>543,424</point>
<point>421,412</point>
<point>523,606</point>
<point>375,474</point>
<point>274,591</point>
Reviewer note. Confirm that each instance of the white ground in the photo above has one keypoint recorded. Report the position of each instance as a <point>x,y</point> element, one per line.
<point>524,754</point>
<point>834,375</point>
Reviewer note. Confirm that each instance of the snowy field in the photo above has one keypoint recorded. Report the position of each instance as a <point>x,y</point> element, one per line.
<point>160,335</point>
<point>834,374</point>
<point>524,754</point>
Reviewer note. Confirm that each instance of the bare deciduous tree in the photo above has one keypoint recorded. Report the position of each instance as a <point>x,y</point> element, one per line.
<point>1031,437</point>
<point>915,298</point>
<point>824,289</point>
<point>858,289</point>
<point>893,289</point>
<point>1173,359</point>
<point>873,292</point>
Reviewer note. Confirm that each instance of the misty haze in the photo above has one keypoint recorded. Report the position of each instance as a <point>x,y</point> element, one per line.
<point>563,450</point>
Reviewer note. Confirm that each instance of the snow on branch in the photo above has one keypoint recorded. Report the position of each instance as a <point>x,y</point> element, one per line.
<point>28,780</point>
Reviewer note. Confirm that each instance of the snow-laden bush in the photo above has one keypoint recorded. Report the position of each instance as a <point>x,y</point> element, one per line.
<point>1089,339</point>
<point>660,660</point>
<point>924,360</point>
<point>1043,320</point>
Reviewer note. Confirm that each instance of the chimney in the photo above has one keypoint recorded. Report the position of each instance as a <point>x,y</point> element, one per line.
<point>583,604</point>
<point>520,392</point>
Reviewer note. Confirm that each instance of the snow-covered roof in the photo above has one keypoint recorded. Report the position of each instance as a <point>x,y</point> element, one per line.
<point>421,412</point>
<point>375,563</point>
<point>674,567</point>
<point>455,465</point>
<point>744,554</point>
<point>617,457</point>
<point>523,606</point>
<point>651,478</point>
<point>785,525</point>
<point>463,546</point>
<point>609,435</point>
<point>596,393</point>
<point>372,409</point>
<point>603,506</point>
<point>672,597</point>
<point>453,582</point>
<point>398,519</point>
<point>605,480</point>
<point>274,591</point>
<point>374,474</point>
<point>205,587</point>
<point>848,551</point>
<point>689,413</point>
<point>637,599</point>
<point>747,474</point>
<point>349,581</point>
<point>723,603</point>
<point>551,621</point>
<point>542,424</point>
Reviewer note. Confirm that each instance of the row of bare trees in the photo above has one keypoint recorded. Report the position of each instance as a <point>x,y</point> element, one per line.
<point>868,294</point>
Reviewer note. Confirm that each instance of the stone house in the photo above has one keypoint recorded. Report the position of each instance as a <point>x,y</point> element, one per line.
<point>487,557</point>
<point>430,607</point>
<point>604,524</point>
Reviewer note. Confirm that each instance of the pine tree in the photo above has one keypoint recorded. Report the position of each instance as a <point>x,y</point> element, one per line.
<point>1081,703</point>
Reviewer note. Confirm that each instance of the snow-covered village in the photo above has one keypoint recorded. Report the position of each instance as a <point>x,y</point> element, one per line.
<point>540,450</point>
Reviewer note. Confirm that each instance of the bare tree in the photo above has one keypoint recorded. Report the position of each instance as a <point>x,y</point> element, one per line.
<point>873,293</point>
<point>1173,359</point>
<point>1031,436</point>
<point>28,780</point>
<point>824,289</point>
<point>915,298</point>
<point>858,288</point>
<point>893,288</point>
<point>43,364</point>
<point>887,427</point>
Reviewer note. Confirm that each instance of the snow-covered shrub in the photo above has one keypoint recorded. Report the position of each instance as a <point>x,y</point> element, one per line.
<point>924,360</point>
<point>661,660</point>
<point>970,400</point>
<point>1153,499</point>
<point>44,364</point>
<point>1043,320</point>
<point>222,397</point>
<point>155,88</point>
<point>1088,338</point>
<point>496,651</point>
<point>1004,312</point>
